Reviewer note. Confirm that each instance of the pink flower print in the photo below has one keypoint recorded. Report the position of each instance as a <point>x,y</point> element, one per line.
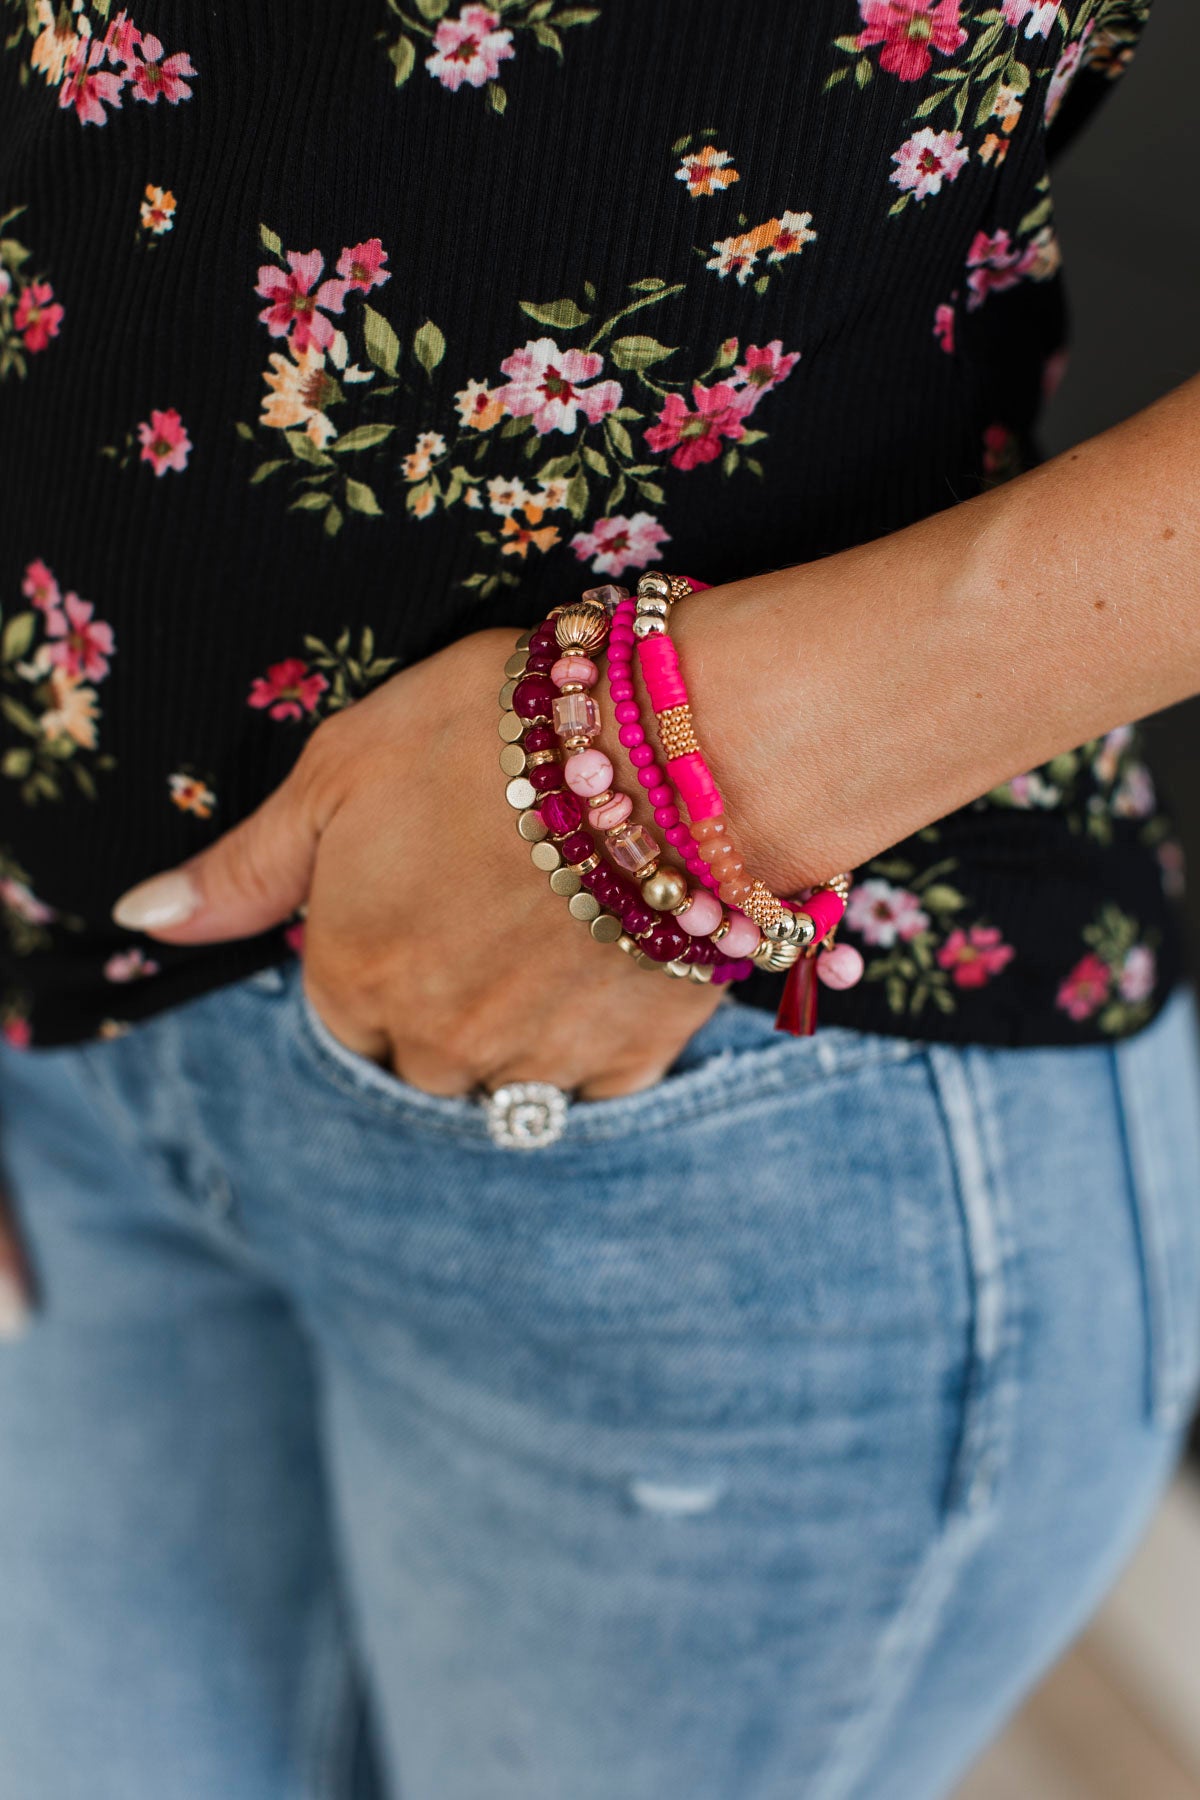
<point>154,76</point>
<point>1085,989</point>
<point>129,965</point>
<point>165,442</point>
<point>294,309</point>
<point>944,326</point>
<point>1134,796</point>
<point>41,589</point>
<point>469,48</point>
<point>614,543</point>
<point>38,316</point>
<point>882,913</point>
<point>995,263</point>
<point>547,384</point>
<point>1064,73</point>
<point>909,31</point>
<point>974,956</point>
<point>88,88</point>
<point>361,266</point>
<point>1138,974</point>
<point>696,437</point>
<point>1040,15</point>
<point>288,690</point>
<point>926,159</point>
<point>15,897</point>
<point>5,283</point>
<point>82,645</point>
<point>16,1033</point>
<point>121,41</point>
<point>764,368</point>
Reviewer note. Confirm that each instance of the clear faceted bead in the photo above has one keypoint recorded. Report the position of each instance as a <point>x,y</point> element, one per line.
<point>609,596</point>
<point>633,849</point>
<point>576,715</point>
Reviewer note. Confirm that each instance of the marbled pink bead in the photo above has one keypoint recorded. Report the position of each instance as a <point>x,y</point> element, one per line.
<point>588,772</point>
<point>840,967</point>
<point>702,916</point>
<point>575,668</point>
<point>614,812</point>
<point>741,937</point>
<point>641,756</point>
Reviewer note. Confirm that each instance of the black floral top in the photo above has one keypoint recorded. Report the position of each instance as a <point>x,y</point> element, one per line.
<point>329,333</point>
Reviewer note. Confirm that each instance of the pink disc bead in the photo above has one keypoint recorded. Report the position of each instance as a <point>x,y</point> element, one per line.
<point>579,669</point>
<point>840,967</point>
<point>741,937</point>
<point>702,916</point>
<point>614,812</point>
<point>588,772</point>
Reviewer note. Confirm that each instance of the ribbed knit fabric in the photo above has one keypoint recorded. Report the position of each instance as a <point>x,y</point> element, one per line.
<point>331,333</point>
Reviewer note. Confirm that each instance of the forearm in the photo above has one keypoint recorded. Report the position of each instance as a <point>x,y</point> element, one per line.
<point>851,701</point>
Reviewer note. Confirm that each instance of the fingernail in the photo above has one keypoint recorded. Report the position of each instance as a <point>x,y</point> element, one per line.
<point>14,1308</point>
<point>162,901</point>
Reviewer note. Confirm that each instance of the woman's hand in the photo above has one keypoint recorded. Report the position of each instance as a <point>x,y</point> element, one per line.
<point>431,944</point>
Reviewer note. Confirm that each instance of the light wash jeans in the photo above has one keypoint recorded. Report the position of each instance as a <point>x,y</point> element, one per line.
<point>764,1439</point>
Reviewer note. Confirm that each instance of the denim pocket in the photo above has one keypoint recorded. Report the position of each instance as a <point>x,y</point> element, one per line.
<point>1158,1083</point>
<point>734,1056</point>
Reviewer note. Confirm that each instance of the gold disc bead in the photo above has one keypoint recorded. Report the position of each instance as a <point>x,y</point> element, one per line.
<point>606,929</point>
<point>532,826</point>
<point>511,727</point>
<point>546,856</point>
<point>515,666</point>
<point>584,906</point>
<point>512,759</point>
<point>565,881</point>
<point>521,793</point>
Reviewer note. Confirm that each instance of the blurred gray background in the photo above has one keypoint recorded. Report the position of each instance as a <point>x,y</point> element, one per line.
<point>1129,218</point>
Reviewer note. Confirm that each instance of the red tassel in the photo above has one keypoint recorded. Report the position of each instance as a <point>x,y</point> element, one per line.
<point>798,1007</point>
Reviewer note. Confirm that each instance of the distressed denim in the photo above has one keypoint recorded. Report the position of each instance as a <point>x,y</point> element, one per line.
<point>762,1439</point>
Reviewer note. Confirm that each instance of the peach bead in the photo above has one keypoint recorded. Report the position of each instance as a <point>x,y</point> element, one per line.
<point>737,891</point>
<point>588,772</point>
<point>727,867</point>
<point>742,936</point>
<point>708,830</point>
<point>614,812</point>
<point>702,916</point>
<point>579,669</point>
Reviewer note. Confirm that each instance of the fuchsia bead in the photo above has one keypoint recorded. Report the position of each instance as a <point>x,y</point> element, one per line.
<point>577,848</point>
<point>534,696</point>
<point>588,772</point>
<point>540,737</point>
<point>638,918</point>
<point>631,736</point>
<point>561,813</point>
<point>665,941</point>
<point>621,690</point>
<point>547,778</point>
<point>641,756</point>
<point>677,835</point>
<point>661,794</point>
<point>626,712</point>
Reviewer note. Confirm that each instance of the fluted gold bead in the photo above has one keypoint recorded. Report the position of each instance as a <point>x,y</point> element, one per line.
<point>582,628</point>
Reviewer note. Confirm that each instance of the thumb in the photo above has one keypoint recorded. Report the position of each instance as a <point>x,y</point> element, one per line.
<point>250,879</point>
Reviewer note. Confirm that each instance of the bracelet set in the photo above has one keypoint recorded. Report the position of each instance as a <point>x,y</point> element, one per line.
<point>708,921</point>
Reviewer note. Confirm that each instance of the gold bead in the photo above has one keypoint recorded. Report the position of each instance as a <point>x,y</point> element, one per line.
<point>565,881</point>
<point>542,756</point>
<point>654,605</point>
<point>606,929</point>
<point>700,972</point>
<point>644,626</point>
<point>664,890</point>
<point>679,970</point>
<point>588,864</point>
<point>626,943</point>
<point>524,641</point>
<point>581,628</point>
<point>654,585</point>
<point>532,826</point>
<point>546,856</point>
<point>521,793</point>
<point>506,694</point>
<point>583,906</point>
<point>512,759</point>
<point>510,727</point>
<point>515,666</point>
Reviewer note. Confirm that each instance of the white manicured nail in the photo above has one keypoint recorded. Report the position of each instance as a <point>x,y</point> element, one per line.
<point>156,904</point>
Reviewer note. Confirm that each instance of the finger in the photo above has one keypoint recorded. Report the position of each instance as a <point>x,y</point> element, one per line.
<point>16,1283</point>
<point>253,877</point>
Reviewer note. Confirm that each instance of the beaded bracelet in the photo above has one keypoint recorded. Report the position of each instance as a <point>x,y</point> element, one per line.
<point>551,818</point>
<point>793,932</point>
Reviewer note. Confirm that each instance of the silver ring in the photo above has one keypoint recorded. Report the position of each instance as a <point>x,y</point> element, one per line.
<point>526,1115</point>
